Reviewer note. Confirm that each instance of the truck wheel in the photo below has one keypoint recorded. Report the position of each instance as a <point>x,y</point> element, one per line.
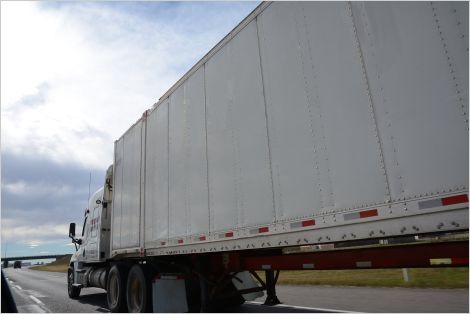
<point>116,289</point>
<point>138,291</point>
<point>74,292</point>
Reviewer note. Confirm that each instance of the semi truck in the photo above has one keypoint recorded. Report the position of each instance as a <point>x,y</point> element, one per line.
<point>315,135</point>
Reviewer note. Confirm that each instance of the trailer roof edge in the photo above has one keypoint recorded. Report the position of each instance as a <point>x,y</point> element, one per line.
<point>260,8</point>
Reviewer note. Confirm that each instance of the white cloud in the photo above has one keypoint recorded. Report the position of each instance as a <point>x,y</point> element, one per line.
<point>102,67</point>
<point>34,243</point>
<point>30,234</point>
<point>20,188</point>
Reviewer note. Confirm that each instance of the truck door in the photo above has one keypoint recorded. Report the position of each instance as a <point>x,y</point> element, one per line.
<point>92,236</point>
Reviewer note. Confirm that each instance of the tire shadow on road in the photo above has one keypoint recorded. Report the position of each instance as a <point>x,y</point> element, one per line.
<point>97,299</point>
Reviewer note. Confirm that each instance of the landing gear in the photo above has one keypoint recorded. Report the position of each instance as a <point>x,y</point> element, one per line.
<point>271,280</point>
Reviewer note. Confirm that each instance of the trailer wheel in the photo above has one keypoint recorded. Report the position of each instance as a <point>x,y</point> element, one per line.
<point>74,292</point>
<point>116,289</point>
<point>138,291</point>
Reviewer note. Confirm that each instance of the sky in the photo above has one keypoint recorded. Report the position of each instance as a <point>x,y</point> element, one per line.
<point>74,77</point>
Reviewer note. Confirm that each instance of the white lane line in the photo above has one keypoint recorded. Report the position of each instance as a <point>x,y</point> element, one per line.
<point>18,287</point>
<point>305,308</point>
<point>30,308</point>
<point>35,299</point>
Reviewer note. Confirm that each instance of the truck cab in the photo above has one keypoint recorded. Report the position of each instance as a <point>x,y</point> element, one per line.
<point>86,266</point>
<point>92,246</point>
<point>94,240</point>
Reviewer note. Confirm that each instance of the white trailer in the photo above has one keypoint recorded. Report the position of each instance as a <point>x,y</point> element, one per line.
<point>310,123</point>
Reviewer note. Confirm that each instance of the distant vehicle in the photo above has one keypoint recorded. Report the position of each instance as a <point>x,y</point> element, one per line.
<point>341,125</point>
<point>17,264</point>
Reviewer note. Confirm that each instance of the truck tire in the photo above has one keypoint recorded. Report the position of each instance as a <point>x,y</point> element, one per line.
<point>138,291</point>
<point>116,289</point>
<point>74,292</point>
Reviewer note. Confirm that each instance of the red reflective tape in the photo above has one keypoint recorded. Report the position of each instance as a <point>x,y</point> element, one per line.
<point>263,229</point>
<point>307,223</point>
<point>458,199</point>
<point>229,234</point>
<point>202,238</point>
<point>368,213</point>
<point>460,261</point>
<point>180,241</point>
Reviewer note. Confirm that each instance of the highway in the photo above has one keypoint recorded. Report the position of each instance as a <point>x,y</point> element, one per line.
<point>37,291</point>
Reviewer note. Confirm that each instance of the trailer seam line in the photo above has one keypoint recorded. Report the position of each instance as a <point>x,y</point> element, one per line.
<point>386,113</point>
<point>270,167</point>
<point>371,104</point>
<point>168,168</point>
<point>308,106</point>
<point>207,151</point>
<point>449,64</point>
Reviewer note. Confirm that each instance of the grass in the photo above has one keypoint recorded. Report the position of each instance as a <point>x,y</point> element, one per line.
<point>61,265</point>
<point>420,277</point>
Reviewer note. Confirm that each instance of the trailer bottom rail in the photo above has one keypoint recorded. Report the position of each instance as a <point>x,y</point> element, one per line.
<point>432,254</point>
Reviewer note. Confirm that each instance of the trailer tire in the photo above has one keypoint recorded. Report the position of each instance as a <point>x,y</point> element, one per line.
<point>74,292</point>
<point>116,289</point>
<point>138,292</point>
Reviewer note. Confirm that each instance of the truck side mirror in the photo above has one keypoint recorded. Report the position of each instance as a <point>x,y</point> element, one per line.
<point>72,230</point>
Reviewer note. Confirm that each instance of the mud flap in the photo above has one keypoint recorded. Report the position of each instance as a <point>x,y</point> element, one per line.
<point>169,294</point>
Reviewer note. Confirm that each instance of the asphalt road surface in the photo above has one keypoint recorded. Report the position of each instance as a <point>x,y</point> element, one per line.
<point>37,291</point>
